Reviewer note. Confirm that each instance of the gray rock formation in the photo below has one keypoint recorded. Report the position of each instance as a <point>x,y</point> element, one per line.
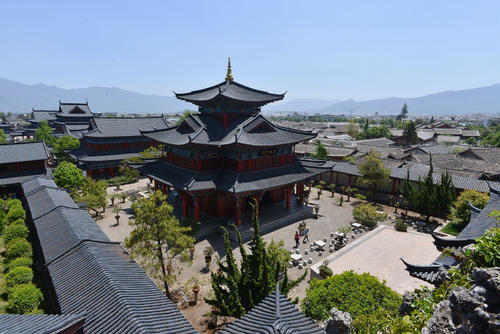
<point>339,322</point>
<point>470,311</point>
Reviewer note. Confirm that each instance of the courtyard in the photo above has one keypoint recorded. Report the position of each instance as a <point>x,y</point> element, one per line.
<point>376,252</point>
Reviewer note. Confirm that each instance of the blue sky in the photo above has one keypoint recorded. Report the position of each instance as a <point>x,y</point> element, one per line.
<point>315,49</point>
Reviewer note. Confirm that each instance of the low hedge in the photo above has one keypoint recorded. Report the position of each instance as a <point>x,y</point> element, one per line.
<point>15,231</point>
<point>18,247</point>
<point>20,261</point>
<point>12,202</point>
<point>19,221</point>
<point>24,298</point>
<point>3,219</point>
<point>19,275</point>
<point>15,213</point>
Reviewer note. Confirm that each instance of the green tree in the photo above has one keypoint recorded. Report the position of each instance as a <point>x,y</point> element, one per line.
<point>410,133</point>
<point>374,172</point>
<point>238,289</point>
<point>158,237</point>
<point>321,151</point>
<point>3,117</point>
<point>3,137</point>
<point>375,132</point>
<point>403,113</point>
<point>183,116</point>
<point>64,143</point>
<point>68,176</point>
<point>94,194</point>
<point>460,211</point>
<point>367,214</point>
<point>445,193</point>
<point>44,132</point>
<point>358,294</point>
<point>352,129</point>
<point>131,174</point>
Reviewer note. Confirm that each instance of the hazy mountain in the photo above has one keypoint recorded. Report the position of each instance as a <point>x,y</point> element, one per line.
<point>16,97</point>
<point>476,100</point>
<point>20,98</point>
<point>299,105</point>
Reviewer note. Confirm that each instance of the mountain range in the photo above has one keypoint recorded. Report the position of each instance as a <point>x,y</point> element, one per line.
<point>477,100</point>
<point>17,97</point>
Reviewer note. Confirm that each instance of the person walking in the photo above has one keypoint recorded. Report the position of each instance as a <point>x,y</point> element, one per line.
<point>297,239</point>
<point>306,235</point>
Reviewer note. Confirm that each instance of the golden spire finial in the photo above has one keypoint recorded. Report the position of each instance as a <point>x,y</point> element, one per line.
<point>229,75</point>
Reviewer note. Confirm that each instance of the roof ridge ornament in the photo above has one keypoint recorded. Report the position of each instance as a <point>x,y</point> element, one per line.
<point>229,75</point>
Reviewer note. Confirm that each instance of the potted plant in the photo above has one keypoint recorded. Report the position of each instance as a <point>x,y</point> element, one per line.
<point>320,188</point>
<point>307,192</point>
<point>123,196</point>
<point>324,270</point>
<point>208,252</point>
<point>117,209</point>
<point>316,210</point>
<point>191,252</point>
<point>196,289</point>
<point>332,188</point>
<point>112,198</point>
<point>400,225</point>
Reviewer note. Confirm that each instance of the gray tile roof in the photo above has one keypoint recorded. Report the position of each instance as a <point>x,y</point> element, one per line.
<point>189,180</point>
<point>94,276</point>
<point>38,323</point>
<point>38,115</point>
<point>74,110</point>
<point>274,314</point>
<point>36,183</point>
<point>16,178</point>
<point>64,228</point>
<point>23,151</point>
<point>45,199</point>
<point>230,92</point>
<point>115,293</point>
<point>112,127</point>
<point>206,129</point>
<point>447,139</point>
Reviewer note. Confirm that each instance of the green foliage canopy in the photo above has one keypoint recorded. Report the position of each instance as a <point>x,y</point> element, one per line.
<point>358,294</point>
<point>44,132</point>
<point>460,211</point>
<point>374,172</point>
<point>367,214</point>
<point>24,298</point>
<point>3,137</point>
<point>68,176</point>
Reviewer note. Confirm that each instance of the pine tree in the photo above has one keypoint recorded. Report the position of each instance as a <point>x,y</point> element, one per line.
<point>374,172</point>
<point>410,133</point>
<point>446,193</point>
<point>237,290</point>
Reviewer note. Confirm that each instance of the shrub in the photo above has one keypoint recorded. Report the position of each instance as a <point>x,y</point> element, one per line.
<point>15,213</point>
<point>360,197</point>
<point>19,275</point>
<point>20,261</point>
<point>18,248</point>
<point>487,249</point>
<point>349,292</point>
<point>367,215</point>
<point>460,211</point>
<point>24,298</point>
<point>12,202</point>
<point>68,176</point>
<point>19,221</point>
<point>2,220</point>
<point>400,225</point>
<point>15,231</point>
<point>324,270</point>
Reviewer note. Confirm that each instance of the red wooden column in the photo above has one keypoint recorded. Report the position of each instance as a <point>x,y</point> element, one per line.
<point>111,172</point>
<point>239,162</point>
<point>220,200</point>
<point>300,190</point>
<point>184,206</point>
<point>89,173</point>
<point>164,188</point>
<point>288,193</point>
<point>393,186</point>
<point>350,180</point>
<point>237,211</point>
<point>198,162</point>
<point>256,196</point>
<point>196,208</point>
<point>331,177</point>
<point>18,167</point>
<point>156,185</point>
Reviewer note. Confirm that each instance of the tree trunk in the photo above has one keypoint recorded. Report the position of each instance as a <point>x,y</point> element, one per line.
<point>163,270</point>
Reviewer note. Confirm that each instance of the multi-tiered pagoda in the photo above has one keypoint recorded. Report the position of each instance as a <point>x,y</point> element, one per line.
<point>223,157</point>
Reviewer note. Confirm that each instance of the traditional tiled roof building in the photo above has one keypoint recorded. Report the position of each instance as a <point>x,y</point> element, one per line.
<point>20,162</point>
<point>274,314</point>
<point>228,154</point>
<point>113,140</point>
<point>87,274</point>
<point>479,223</point>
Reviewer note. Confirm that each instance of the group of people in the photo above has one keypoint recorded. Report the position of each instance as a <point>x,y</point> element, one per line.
<point>301,231</point>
